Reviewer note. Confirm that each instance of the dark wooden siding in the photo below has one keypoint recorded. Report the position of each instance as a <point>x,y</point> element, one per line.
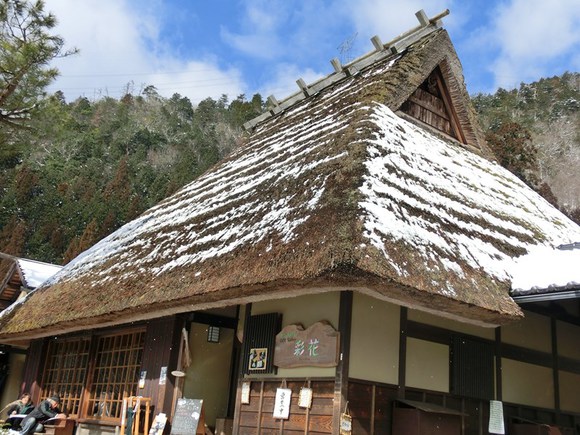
<point>162,337</point>
<point>261,331</point>
<point>32,368</point>
<point>257,416</point>
<point>429,109</point>
<point>371,408</point>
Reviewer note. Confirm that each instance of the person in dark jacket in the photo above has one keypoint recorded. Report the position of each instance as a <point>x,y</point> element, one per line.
<point>46,409</point>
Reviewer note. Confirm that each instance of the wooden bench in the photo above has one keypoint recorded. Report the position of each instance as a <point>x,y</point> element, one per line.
<point>61,426</point>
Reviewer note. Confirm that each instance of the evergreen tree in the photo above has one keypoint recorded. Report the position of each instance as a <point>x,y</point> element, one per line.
<point>27,48</point>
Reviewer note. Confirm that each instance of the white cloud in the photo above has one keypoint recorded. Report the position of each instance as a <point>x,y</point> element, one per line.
<point>530,35</point>
<point>261,22</point>
<point>387,19</point>
<point>118,45</point>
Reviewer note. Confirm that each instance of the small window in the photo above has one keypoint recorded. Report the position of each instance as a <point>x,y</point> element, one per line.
<point>472,368</point>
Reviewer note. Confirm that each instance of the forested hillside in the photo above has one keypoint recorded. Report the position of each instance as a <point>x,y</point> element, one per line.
<point>541,122</point>
<point>81,169</point>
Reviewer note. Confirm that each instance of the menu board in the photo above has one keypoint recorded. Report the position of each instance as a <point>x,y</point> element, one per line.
<point>188,418</point>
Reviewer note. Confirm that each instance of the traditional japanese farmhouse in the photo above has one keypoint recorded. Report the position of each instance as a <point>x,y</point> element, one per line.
<point>348,267</point>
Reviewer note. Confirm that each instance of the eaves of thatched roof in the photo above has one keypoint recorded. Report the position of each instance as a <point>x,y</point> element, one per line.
<point>335,192</point>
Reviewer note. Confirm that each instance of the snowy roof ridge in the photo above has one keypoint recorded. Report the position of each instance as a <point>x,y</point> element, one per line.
<point>381,51</point>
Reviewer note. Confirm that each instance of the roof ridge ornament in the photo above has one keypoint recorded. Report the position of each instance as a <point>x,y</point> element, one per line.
<point>394,46</point>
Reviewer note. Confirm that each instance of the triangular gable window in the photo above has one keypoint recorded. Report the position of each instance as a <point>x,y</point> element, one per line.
<point>431,104</point>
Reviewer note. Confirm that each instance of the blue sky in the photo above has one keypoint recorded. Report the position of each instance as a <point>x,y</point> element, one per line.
<point>205,48</point>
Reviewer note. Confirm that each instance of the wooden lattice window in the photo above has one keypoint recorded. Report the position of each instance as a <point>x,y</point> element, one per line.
<point>116,374</point>
<point>66,371</point>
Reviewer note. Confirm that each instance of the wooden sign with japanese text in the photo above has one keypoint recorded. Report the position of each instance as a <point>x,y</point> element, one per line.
<point>316,346</point>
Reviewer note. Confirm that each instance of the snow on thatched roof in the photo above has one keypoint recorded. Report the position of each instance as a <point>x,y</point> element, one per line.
<point>336,192</point>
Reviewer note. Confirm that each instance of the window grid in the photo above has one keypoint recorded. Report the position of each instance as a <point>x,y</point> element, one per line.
<point>66,372</point>
<point>116,374</point>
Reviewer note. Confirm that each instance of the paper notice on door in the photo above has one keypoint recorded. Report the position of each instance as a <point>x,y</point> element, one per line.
<point>496,417</point>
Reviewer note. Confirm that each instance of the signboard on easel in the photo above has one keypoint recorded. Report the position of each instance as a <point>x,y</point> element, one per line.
<point>188,418</point>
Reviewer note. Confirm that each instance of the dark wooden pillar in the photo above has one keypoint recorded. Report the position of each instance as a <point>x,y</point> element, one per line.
<point>241,360</point>
<point>341,378</point>
<point>161,349</point>
<point>403,331</point>
<point>33,365</point>
<point>556,367</point>
<point>498,380</point>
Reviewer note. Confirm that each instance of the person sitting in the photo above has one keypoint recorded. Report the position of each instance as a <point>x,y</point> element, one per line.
<point>17,409</point>
<point>46,409</point>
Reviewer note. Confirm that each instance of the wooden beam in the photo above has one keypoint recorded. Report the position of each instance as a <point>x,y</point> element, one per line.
<point>241,360</point>
<point>403,321</point>
<point>446,96</point>
<point>303,86</point>
<point>377,43</point>
<point>341,377</point>
<point>336,65</point>
<point>422,17</point>
<point>555,366</point>
<point>498,380</point>
<point>214,320</point>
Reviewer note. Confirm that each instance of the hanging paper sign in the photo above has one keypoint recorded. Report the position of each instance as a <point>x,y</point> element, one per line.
<point>282,403</point>
<point>305,398</point>
<point>496,417</point>
<point>316,346</point>
<point>245,393</point>
<point>345,424</point>
<point>142,378</point>
<point>163,375</point>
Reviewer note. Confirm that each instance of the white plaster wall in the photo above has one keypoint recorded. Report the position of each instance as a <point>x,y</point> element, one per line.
<point>568,340</point>
<point>533,332</point>
<point>527,384</point>
<point>427,365</point>
<point>569,391</point>
<point>208,377</point>
<point>374,344</point>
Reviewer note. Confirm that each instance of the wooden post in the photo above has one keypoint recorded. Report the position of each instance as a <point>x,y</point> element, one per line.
<point>242,360</point>
<point>341,377</point>
<point>402,353</point>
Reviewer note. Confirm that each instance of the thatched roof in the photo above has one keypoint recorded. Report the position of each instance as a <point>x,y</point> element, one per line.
<point>334,192</point>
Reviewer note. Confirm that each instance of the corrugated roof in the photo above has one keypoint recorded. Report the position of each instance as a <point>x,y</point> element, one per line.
<point>336,192</point>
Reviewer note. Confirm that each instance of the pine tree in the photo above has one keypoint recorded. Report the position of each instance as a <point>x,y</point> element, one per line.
<point>26,50</point>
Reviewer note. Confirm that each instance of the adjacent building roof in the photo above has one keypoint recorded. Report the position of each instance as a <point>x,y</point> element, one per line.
<point>337,190</point>
<point>547,274</point>
<point>20,275</point>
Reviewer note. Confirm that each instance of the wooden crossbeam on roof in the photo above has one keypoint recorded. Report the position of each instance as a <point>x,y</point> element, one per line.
<point>395,46</point>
